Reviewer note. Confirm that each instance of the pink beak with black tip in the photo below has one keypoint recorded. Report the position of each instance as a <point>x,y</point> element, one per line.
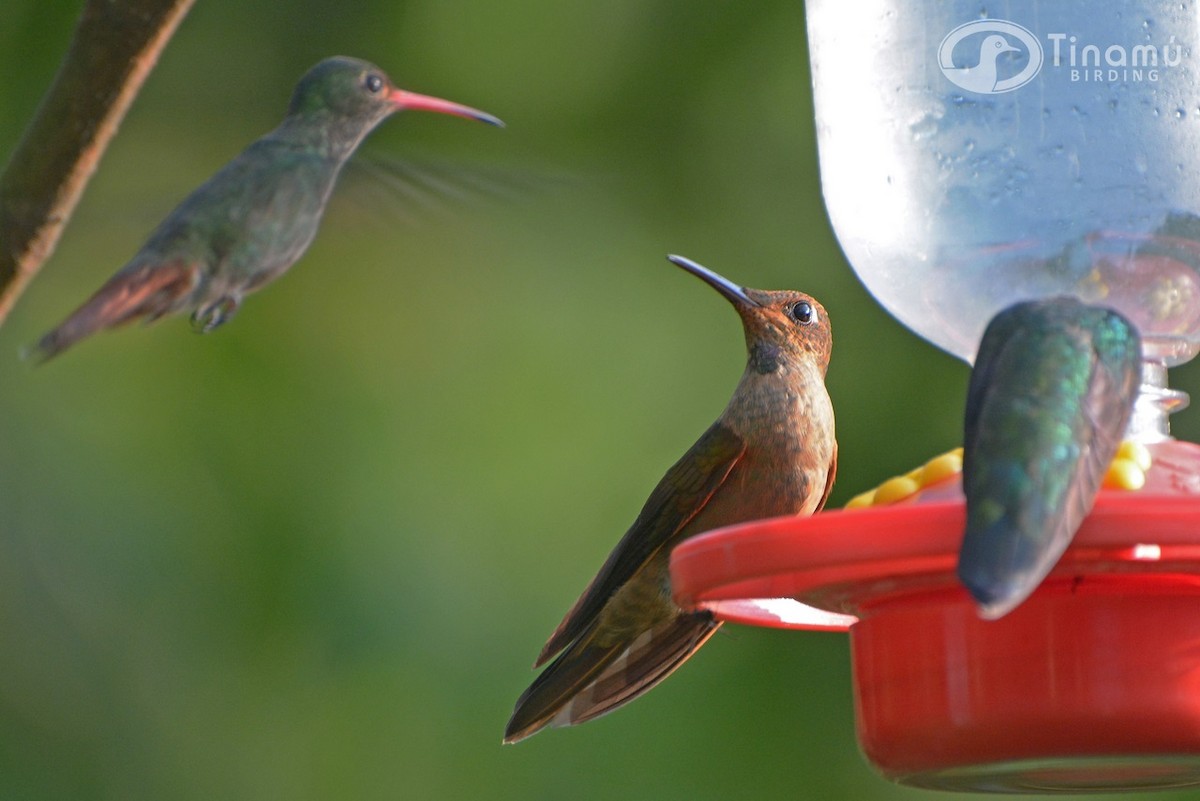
<point>411,100</point>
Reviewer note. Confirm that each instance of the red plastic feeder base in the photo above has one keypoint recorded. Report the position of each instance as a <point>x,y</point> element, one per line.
<point>1093,684</point>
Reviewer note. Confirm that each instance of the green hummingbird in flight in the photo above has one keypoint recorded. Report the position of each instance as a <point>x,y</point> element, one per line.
<point>1049,399</point>
<point>771,452</point>
<point>254,218</point>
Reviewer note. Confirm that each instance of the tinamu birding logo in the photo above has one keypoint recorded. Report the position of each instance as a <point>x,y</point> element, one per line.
<point>990,56</point>
<point>993,56</point>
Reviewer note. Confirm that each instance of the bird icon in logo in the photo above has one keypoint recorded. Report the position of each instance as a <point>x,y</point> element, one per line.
<point>982,77</point>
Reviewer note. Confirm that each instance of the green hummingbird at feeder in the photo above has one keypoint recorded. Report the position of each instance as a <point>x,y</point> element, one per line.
<point>254,218</point>
<point>1049,399</point>
<point>771,452</point>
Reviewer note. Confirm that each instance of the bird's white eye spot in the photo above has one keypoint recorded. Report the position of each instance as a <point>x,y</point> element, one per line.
<point>802,312</point>
<point>374,83</point>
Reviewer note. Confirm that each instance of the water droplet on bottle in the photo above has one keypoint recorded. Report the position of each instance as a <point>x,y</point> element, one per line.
<point>924,128</point>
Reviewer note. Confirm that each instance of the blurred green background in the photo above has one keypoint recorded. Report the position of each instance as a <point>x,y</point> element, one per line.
<point>312,555</point>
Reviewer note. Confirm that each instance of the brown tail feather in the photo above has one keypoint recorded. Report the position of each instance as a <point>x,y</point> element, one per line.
<point>570,674</point>
<point>587,681</point>
<point>148,292</point>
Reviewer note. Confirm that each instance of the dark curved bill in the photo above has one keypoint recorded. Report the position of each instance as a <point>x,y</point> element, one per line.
<point>730,290</point>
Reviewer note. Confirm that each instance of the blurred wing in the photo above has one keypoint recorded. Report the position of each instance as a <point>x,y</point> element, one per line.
<point>678,498</point>
<point>415,188</point>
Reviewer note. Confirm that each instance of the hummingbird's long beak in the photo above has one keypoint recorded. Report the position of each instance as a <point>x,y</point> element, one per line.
<point>411,100</point>
<point>736,294</point>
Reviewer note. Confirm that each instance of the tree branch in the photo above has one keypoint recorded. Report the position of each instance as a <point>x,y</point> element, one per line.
<point>116,44</point>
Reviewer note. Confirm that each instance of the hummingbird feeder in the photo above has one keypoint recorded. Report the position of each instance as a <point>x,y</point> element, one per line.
<point>972,158</point>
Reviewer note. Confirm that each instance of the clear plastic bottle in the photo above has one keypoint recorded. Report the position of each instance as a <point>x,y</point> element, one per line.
<point>975,155</point>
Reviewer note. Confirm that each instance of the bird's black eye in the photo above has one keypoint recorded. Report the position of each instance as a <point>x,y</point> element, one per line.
<point>802,312</point>
<point>373,83</point>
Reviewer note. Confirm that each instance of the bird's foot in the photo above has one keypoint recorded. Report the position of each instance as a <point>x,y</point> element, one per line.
<point>214,314</point>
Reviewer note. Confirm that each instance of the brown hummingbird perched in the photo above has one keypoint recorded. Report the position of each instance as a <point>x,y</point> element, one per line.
<point>253,219</point>
<point>772,452</point>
